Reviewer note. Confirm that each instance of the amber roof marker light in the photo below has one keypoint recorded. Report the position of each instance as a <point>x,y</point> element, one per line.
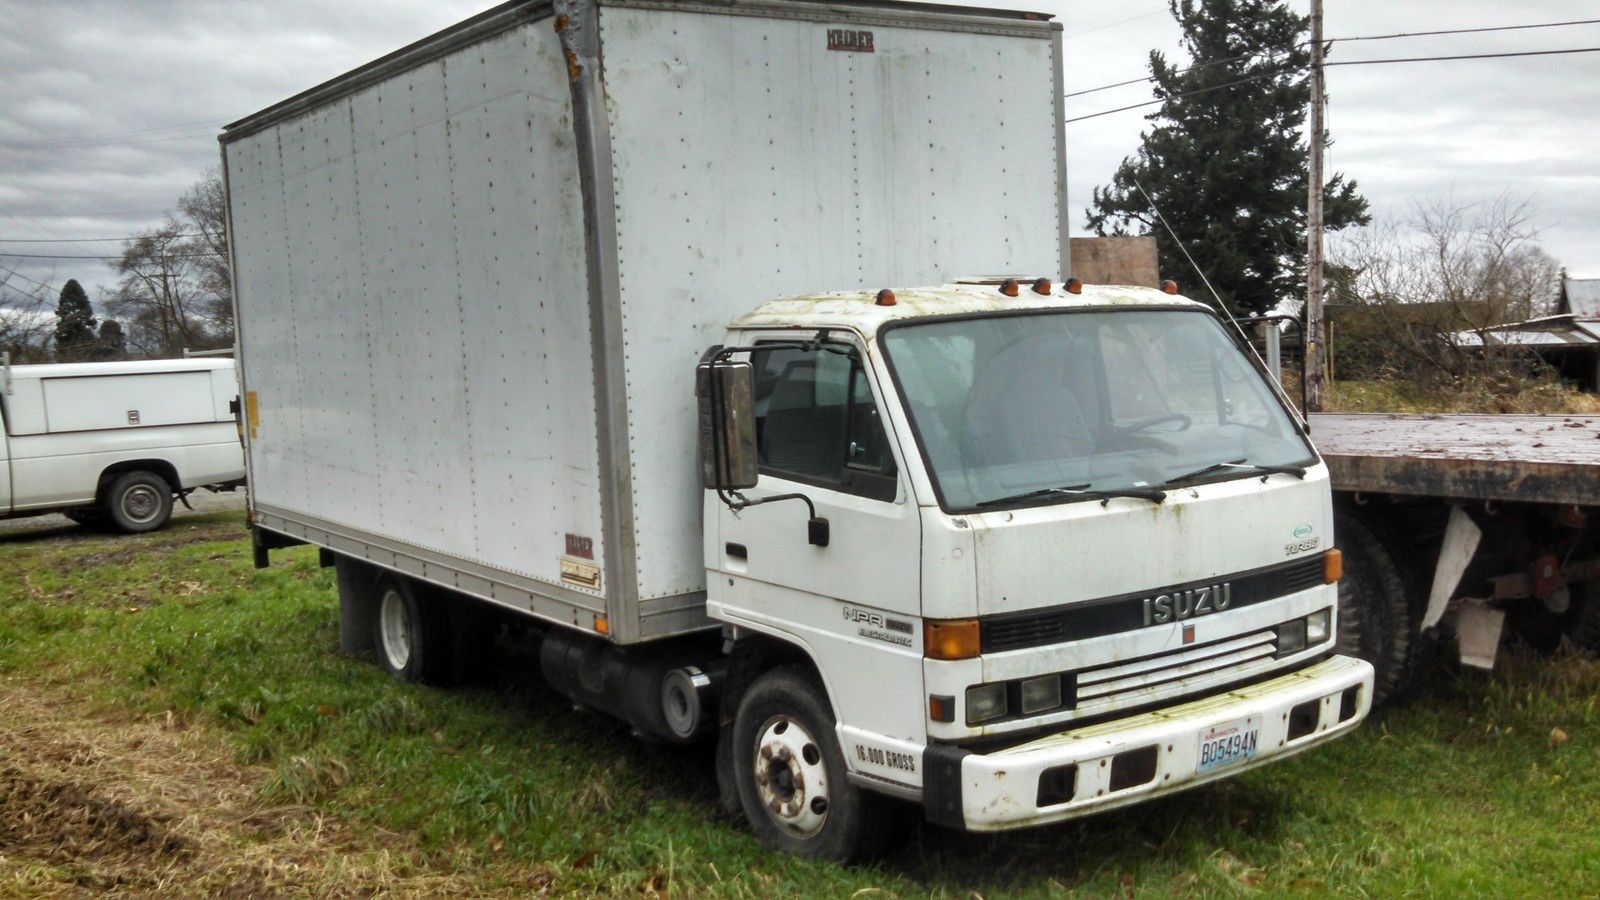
<point>885,297</point>
<point>1042,286</point>
<point>1074,286</point>
<point>1169,286</point>
<point>1009,287</point>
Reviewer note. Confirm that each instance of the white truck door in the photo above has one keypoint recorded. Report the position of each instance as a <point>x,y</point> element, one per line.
<point>820,434</point>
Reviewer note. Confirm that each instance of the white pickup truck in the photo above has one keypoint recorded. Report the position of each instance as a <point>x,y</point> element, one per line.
<point>116,442</point>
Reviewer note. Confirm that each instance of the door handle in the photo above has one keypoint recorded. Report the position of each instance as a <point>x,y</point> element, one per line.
<point>735,551</point>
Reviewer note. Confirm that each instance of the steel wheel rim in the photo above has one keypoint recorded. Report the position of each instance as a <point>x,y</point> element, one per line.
<point>141,503</point>
<point>394,629</point>
<point>791,776</point>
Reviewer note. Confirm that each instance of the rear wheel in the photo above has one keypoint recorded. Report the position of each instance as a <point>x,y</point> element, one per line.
<point>791,776</point>
<point>138,502</point>
<point>412,639</point>
<point>1584,630</point>
<point>1375,620</point>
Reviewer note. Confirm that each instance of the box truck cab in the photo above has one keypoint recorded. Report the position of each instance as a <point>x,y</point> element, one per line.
<point>116,442</point>
<point>1044,551</point>
<point>1011,550</point>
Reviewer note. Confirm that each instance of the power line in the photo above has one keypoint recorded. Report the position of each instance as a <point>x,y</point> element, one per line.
<point>1407,34</point>
<point>9,255</point>
<point>1353,38</point>
<point>1410,59</point>
<point>1347,62</point>
<point>131,237</point>
<point>13,273</point>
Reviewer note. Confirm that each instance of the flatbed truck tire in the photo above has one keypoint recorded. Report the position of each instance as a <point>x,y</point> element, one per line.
<point>1376,622</point>
<point>1584,630</point>
<point>791,776</point>
<point>411,634</point>
<point>139,502</point>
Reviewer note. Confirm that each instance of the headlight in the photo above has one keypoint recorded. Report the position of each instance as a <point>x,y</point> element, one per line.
<point>1317,627</point>
<point>1040,694</point>
<point>985,702</point>
<point>1291,637</point>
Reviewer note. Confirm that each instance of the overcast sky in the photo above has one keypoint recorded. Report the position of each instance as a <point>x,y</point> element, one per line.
<point>109,110</point>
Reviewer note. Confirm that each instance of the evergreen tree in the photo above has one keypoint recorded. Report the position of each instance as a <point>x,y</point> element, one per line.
<point>75,335</point>
<point>112,343</point>
<point>1226,159</point>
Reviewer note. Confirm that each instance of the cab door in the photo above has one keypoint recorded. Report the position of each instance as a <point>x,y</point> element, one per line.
<point>820,433</point>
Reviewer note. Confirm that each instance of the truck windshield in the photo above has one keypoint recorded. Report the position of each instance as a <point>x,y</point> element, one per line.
<point>1095,400</point>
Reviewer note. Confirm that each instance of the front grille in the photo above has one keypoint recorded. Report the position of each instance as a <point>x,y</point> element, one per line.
<point>1107,683</point>
<point>1112,615</point>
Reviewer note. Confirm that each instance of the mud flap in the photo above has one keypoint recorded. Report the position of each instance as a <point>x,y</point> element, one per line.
<point>1478,633</point>
<point>727,791</point>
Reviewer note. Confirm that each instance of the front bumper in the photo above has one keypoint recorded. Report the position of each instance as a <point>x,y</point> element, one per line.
<point>1124,761</point>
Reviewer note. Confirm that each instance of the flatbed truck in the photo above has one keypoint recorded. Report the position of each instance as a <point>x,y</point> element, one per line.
<point>1466,523</point>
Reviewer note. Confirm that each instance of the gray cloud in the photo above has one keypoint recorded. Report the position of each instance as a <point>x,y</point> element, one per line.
<point>109,110</point>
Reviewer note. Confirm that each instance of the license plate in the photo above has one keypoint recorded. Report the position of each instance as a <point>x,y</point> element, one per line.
<point>1229,743</point>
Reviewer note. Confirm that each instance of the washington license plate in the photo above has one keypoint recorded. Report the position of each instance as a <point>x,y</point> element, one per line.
<point>1229,743</point>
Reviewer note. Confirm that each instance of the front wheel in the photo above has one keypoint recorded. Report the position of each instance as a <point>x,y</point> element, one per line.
<point>791,776</point>
<point>139,501</point>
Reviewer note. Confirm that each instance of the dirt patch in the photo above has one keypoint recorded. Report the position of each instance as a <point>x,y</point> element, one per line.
<point>68,824</point>
<point>100,802</point>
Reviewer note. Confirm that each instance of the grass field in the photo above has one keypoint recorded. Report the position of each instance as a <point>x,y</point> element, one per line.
<point>173,721</point>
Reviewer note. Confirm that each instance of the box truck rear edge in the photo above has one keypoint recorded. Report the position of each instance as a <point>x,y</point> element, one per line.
<point>646,322</point>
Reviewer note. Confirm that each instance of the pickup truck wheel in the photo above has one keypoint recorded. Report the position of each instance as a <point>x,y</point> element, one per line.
<point>790,773</point>
<point>139,501</point>
<point>1375,622</point>
<point>411,638</point>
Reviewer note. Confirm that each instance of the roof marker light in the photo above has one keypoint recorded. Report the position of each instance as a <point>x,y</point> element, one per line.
<point>1169,286</point>
<point>1042,286</point>
<point>885,297</point>
<point>1009,287</point>
<point>1074,286</point>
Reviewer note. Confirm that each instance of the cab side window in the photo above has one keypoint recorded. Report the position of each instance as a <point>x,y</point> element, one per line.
<point>816,421</point>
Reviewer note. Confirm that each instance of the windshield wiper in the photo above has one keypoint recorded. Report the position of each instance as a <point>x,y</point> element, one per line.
<point>1244,467</point>
<point>1082,490</point>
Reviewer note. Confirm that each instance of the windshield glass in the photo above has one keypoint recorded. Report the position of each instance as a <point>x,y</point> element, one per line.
<point>1104,399</point>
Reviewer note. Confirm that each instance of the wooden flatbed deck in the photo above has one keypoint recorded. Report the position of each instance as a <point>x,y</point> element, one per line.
<point>1514,458</point>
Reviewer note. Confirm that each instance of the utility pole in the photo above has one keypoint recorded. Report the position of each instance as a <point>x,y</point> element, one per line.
<point>1314,350</point>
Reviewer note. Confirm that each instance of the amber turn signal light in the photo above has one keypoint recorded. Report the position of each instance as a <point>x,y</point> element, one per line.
<point>1332,567</point>
<point>950,639</point>
<point>602,625</point>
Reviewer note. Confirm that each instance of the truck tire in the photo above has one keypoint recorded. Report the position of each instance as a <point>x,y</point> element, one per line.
<point>1584,630</point>
<point>791,775</point>
<point>138,502</point>
<point>411,636</point>
<point>1375,619</point>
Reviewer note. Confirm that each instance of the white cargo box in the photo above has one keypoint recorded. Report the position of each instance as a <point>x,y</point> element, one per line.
<point>473,278</point>
<point>69,397</point>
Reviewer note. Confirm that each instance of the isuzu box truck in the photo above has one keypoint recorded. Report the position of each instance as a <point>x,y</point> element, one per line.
<point>648,321</point>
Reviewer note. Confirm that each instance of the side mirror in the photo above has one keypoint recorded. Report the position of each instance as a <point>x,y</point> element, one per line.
<point>726,391</point>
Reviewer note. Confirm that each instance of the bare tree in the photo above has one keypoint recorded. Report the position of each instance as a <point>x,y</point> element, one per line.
<point>27,321</point>
<point>175,289</point>
<point>1450,267</point>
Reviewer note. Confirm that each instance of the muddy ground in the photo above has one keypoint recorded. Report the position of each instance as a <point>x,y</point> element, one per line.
<point>98,804</point>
